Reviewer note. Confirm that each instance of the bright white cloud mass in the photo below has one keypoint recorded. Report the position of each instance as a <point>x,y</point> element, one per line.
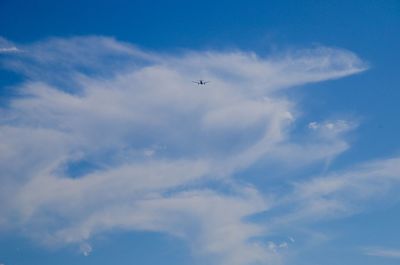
<point>103,136</point>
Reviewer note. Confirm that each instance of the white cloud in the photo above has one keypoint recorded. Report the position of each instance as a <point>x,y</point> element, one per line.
<point>7,46</point>
<point>85,249</point>
<point>341,193</point>
<point>332,127</point>
<point>154,141</point>
<point>8,49</point>
<point>382,252</point>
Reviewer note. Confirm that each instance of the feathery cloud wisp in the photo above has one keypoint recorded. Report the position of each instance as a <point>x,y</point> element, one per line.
<point>8,49</point>
<point>7,46</point>
<point>382,252</point>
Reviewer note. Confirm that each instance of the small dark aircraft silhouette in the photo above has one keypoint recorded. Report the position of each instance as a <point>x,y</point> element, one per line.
<point>201,82</point>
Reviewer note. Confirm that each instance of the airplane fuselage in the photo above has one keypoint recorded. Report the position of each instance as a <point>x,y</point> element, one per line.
<point>201,82</point>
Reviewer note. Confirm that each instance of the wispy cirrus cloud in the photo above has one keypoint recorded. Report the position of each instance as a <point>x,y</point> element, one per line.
<point>154,142</point>
<point>341,193</point>
<point>7,46</point>
<point>382,252</point>
<point>8,49</point>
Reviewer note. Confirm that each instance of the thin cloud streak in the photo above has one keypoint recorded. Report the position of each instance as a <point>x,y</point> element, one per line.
<point>382,252</point>
<point>9,49</point>
<point>341,193</point>
<point>7,46</point>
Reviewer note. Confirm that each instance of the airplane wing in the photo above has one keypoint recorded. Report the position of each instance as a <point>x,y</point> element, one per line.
<point>196,82</point>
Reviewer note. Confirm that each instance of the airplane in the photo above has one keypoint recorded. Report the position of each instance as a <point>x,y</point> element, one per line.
<point>201,82</point>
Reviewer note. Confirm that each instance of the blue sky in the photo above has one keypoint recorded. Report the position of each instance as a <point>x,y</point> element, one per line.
<point>110,154</point>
